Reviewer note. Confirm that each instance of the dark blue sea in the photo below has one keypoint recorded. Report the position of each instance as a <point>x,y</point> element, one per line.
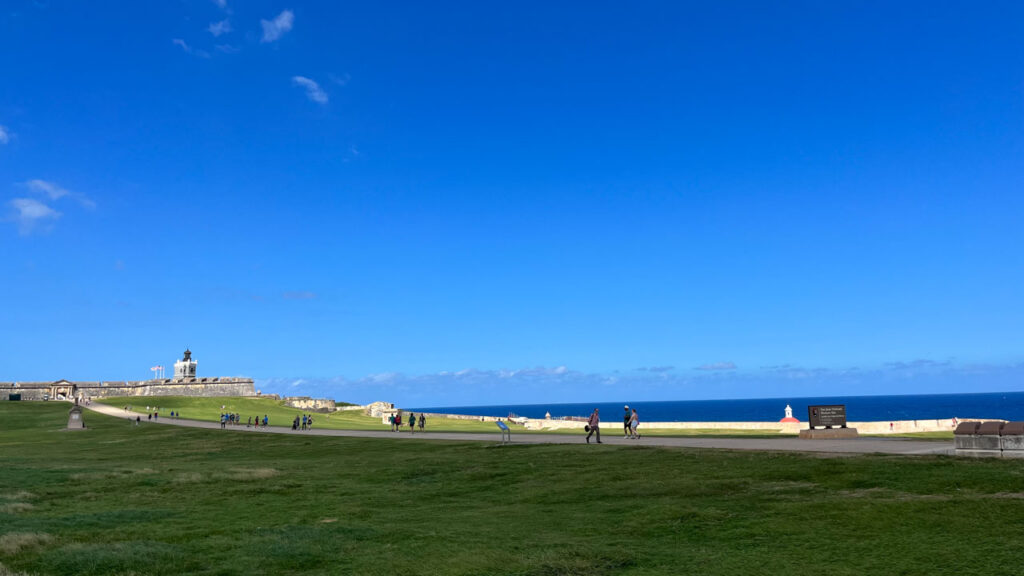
<point>996,405</point>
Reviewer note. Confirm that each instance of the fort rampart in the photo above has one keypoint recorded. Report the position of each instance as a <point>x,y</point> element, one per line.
<point>204,387</point>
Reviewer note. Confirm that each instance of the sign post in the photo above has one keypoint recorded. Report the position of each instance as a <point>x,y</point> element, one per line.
<point>831,419</point>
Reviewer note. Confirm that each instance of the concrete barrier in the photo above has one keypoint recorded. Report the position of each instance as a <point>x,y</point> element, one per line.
<point>996,439</point>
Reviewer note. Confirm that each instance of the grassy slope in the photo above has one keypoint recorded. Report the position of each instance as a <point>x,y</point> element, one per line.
<point>117,499</point>
<point>210,409</point>
<point>281,415</point>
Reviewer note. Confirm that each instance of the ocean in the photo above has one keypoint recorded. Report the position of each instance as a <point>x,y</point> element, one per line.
<point>995,405</point>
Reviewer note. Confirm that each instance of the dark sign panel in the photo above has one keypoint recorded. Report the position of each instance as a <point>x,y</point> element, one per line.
<point>827,416</point>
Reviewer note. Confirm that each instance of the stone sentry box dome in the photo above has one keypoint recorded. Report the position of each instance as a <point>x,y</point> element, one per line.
<point>186,367</point>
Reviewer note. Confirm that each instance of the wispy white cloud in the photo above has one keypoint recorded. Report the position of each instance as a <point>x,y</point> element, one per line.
<point>222,4</point>
<point>655,368</point>
<point>32,215</point>
<point>471,386</point>
<point>219,28</point>
<point>313,90</point>
<point>189,49</point>
<point>228,48</point>
<point>716,366</point>
<point>56,192</point>
<point>339,80</point>
<point>274,29</point>
<point>49,189</point>
<point>5,135</point>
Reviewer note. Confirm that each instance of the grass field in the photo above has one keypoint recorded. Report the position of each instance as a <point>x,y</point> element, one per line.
<point>279,414</point>
<point>209,409</point>
<point>119,500</point>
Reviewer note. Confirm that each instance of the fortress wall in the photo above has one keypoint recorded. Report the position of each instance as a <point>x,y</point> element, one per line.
<point>191,387</point>
<point>307,403</point>
<point>29,391</point>
<point>202,387</point>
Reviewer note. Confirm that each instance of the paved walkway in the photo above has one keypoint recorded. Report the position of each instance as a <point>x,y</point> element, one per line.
<point>786,444</point>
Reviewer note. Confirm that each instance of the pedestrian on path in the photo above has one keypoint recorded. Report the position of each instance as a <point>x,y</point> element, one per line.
<point>423,421</point>
<point>634,421</point>
<point>594,426</point>
<point>625,423</point>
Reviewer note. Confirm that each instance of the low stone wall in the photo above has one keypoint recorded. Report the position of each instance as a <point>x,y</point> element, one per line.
<point>897,426</point>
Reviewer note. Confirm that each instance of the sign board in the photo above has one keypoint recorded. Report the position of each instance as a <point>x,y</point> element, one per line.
<point>14,397</point>
<point>827,416</point>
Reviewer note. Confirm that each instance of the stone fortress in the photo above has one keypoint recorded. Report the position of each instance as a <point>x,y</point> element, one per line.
<point>184,383</point>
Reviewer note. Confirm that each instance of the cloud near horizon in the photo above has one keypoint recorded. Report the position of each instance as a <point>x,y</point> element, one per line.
<point>716,366</point>
<point>313,90</point>
<point>539,385</point>
<point>276,28</point>
<point>5,134</point>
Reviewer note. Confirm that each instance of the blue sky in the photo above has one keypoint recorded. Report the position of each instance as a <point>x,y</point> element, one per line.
<point>457,203</point>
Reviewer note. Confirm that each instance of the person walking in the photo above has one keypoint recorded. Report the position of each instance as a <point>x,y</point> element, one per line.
<point>391,422</point>
<point>634,421</point>
<point>309,424</point>
<point>594,426</point>
<point>412,422</point>
<point>625,423</point>
<point>398,422</point>
<point>423,420</point>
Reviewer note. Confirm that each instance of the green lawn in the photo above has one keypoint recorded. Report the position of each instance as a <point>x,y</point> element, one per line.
<point>123,500</point>
<point>209,409</point>
<point>279,414</point>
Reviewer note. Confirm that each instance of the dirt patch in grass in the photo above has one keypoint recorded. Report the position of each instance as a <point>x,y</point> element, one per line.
<point>15,507</point>
<point>5,571</point>
<point>111,474</point>
<point>188,478</point>
<point>251,473</point>
<point>14,542</point>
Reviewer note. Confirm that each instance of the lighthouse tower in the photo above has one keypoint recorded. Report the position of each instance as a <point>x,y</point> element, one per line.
<point>186,367</point>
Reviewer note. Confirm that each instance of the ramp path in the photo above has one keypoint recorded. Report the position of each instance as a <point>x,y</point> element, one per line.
<point>787,444</point>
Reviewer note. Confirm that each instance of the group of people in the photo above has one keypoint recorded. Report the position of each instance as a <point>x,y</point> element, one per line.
<point>395,420</point>
<point>630,422</point>
<point>306,423</point>
<point>235,419</point>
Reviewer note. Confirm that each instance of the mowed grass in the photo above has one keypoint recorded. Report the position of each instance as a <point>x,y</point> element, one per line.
<point>278,414</point>
<point>210,409</point>
<point>117,500</point>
